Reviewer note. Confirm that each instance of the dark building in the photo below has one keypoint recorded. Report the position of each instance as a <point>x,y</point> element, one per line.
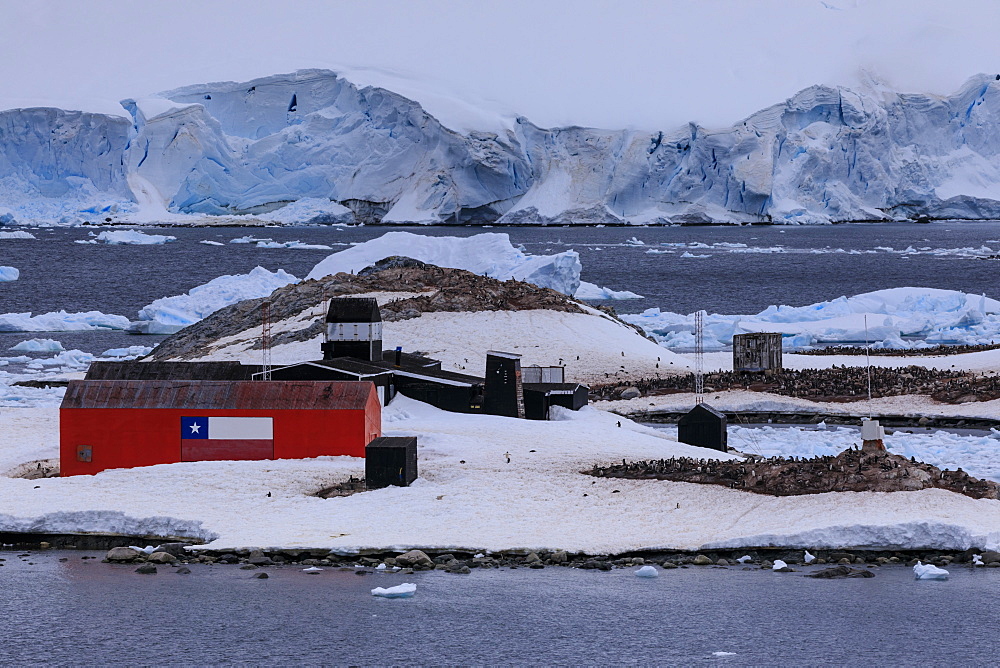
<point>704,427</point>
<point>353,329</point>
<point>352,351</point>
<point>503,391</point>
<point>391,461</point>
<point>757,353</point>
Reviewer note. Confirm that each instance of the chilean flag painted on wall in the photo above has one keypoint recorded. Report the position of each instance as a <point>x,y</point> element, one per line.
<point>220,438</point>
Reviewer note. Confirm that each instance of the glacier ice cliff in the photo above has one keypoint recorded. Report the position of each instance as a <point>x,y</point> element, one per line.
<point>366,154</point>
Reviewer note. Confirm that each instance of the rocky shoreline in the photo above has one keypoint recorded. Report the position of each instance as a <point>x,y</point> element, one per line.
<point>176,557</point>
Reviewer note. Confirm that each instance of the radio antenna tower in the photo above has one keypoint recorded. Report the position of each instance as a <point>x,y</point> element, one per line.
<point>265,340</point>
<point>699,357</point>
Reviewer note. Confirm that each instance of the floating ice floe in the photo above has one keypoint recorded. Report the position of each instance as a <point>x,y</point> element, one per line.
<point>61,321</point>
<point>312,570</point>
<point>490,254</point>
<point>17,234</point>
<point>249,239</point>
<point>929,572</point>
<point>130,352</point>
<point>38,346</point>
<point>893,318</point>
<point>647,572</point>
<point>8,274</point>
<point>723,653</point>
<point>292,244</point>
<point>129,238</point>
<point>405,590</point>
<point>380,567</point>
<point>171,314</point>
<point>592,291</point>
<point>207,242</point>
<point>778,565</point>
<point>686,254</point>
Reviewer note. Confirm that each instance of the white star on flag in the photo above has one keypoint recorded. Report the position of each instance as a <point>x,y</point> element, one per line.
<point>195,427</point>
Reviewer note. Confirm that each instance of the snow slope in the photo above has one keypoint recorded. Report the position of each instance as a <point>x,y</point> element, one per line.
<point>469,497</point>
<point>367,154</point>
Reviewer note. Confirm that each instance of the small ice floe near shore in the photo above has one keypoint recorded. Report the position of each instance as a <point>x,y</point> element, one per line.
<point>744,559</point>
<point>405,590</point>
<point>312,570</point>
<point>8,274</point>
<point>778,565</point>
<point>929,572</point>
<point>17,234</point>
<point>211,243</point>
<point>292,244</point>
<point>809,558</point>
<point>647,572</point>
<point>977,560</point>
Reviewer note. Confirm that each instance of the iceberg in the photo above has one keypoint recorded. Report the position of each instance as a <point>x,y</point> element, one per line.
<point>9,274</point>
<point>61,321</point>
<point>647,572</point>
<point>892,318</point>
<point>405,590</point>
<point>38,346</point>
<point>171,314</point>
<point>16,234</point>
<point>490,254</point>
<point>923,571</point>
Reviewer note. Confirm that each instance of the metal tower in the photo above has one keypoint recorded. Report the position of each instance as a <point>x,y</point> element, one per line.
<point>699,357</point>
<point>265,340</point>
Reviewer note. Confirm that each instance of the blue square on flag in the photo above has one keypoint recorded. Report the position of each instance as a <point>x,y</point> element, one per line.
<point>194,427</point>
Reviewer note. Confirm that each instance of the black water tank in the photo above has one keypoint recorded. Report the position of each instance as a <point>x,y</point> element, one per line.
<point>390,461</point>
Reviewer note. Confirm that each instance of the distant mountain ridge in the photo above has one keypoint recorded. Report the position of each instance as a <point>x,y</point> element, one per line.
<point>369,155</point>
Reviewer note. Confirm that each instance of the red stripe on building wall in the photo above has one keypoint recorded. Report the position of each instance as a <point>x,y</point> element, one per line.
<point>204,449</point>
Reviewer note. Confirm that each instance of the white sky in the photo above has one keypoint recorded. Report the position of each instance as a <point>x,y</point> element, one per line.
<point>620,63</point>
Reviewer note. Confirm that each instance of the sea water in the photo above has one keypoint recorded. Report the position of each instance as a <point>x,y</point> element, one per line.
<point>83,612</point>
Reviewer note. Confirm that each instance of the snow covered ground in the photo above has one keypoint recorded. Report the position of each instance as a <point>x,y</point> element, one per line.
<point>592,346</point>
<point>469,497</point>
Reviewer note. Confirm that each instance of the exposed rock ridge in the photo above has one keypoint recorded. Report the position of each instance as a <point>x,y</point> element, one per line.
<point>448,290</point>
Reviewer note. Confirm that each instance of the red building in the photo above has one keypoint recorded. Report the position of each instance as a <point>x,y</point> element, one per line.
<point>106,424</point>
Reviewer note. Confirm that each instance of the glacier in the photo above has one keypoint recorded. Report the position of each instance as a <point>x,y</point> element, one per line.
<point>312,147</point>
<point>892,318</point>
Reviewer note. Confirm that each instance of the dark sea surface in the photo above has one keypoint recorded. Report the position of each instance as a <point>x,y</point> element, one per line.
<point>87,613</point>
<point>59,274</point>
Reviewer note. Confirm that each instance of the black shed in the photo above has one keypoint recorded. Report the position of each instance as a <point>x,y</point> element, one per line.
<point>353,329</point>
<point>391,461</point>
<point>704,427</point>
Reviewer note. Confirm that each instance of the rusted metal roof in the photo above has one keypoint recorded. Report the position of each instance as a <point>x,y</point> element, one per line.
<point>134,370</point>
<point>212,394</point>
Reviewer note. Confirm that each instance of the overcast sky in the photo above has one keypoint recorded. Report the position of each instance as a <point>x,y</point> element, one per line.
<point>620,63</point>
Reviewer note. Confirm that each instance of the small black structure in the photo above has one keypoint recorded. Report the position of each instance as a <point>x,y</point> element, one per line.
<point>353,329</point>
<point>704,427</point>
<point>391,461</point>
<point>757,353</point>
<point>540,397</point>
<point>503,392</point>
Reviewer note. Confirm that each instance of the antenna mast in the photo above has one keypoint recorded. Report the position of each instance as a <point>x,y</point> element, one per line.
<point>699,357</point>
<point>265,340</point>
<point>868,361</point>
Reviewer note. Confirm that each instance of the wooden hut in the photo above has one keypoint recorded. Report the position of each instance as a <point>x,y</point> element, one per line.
<point>759,352</point>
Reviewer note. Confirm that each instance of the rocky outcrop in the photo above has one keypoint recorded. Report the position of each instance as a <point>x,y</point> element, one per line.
<point>449,290</point>
<point>850,471</point>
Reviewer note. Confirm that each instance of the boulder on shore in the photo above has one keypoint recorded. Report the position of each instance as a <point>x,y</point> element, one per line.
<point>124,555</point>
